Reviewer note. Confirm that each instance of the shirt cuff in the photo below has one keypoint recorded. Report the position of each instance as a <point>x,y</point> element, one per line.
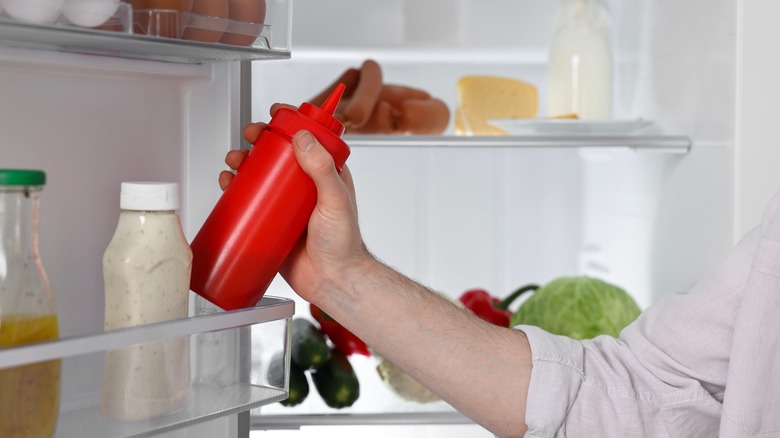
<point>555,380</point>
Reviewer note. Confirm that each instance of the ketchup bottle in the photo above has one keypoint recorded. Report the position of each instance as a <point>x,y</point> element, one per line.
<point>265,210</point>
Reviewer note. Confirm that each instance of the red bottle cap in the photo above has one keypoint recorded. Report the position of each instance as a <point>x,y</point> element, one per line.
<point>319,121</point>
<point>324,114</point>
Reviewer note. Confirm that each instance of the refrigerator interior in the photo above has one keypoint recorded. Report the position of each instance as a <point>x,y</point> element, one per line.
<point>652,222</point>
<point>452,218</point>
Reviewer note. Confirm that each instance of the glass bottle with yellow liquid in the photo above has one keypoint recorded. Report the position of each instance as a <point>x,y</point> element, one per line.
<point>29,394</point>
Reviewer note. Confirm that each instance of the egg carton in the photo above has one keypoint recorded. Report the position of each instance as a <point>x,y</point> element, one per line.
<point>165,23</point>
<point>119,16</point>
<point>113,15</point>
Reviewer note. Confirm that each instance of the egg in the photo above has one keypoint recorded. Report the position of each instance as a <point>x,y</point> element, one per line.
<point>163,18</point>
<point>89,13</point>
<point>33,11</point>
<point>209,20</point>
<point>246,22</point>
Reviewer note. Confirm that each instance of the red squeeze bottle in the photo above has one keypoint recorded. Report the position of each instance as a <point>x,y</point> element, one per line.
<point>262,214</point>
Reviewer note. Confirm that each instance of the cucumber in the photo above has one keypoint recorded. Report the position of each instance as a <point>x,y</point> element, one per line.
<point>299,386</point>
<point>336,381</point>
<point>276,371</point>
<point>309,348</point>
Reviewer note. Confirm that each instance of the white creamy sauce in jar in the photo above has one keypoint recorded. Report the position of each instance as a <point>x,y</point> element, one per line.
<point>146,270</point>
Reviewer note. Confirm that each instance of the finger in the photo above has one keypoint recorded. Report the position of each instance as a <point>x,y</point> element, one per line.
<point>225,178</point>
<point>346,176</point>
<point>318,164</point>
<point>252,131</point>
<point>235,157</point>
<point>277,106</point>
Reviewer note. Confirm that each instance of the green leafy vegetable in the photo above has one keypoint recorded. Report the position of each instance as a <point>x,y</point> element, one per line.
<point>578,307</point>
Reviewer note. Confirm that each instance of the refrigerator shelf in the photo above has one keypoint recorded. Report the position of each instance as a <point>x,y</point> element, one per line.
<point>660,143</point>
<point>214,364</point>
<point>271,422</point>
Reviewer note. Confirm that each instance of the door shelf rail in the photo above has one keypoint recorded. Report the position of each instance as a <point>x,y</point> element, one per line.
<point>269,309</point>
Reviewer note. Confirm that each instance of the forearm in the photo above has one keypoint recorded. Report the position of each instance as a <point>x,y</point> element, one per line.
<point>444,347</point>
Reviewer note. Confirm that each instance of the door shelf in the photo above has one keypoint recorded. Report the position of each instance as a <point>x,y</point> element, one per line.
<point>659,143</point>
<point>128,35</point>
<point>212,365</point>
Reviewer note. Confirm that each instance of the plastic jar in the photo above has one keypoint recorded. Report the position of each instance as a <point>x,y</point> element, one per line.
<point>146,273</point>
<point>29,394</point>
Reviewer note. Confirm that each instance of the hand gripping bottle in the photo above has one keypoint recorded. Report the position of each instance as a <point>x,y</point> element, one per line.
<point>260,216</point>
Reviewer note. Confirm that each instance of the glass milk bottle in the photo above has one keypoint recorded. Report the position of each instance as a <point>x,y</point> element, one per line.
<point>29,394</point>
<point>580,64</point>
<point>146,273</point>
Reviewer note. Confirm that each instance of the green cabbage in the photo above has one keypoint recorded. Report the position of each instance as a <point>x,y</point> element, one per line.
<point>578,307</point>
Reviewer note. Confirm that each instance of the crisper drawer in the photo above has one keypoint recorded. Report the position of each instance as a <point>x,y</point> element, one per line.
<point>157,377</point>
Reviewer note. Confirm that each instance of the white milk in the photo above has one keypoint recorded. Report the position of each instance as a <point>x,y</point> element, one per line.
<point>580,64</point>
<point>146,273</point>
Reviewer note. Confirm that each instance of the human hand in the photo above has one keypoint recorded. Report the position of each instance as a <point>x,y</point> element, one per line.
<point>332,245</point>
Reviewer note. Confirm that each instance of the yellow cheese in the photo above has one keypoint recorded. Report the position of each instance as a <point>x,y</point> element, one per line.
<point>482,98</point>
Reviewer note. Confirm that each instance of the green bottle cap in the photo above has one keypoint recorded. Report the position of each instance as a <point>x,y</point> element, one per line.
<point>22,177</point>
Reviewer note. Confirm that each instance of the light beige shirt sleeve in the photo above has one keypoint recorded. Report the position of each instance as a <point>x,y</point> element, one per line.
<point>705,363</point>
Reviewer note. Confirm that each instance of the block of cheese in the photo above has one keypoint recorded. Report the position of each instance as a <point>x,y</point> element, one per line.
<point>482,98</point>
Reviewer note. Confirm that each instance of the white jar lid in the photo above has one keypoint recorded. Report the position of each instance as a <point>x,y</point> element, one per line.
<point>149,196</point>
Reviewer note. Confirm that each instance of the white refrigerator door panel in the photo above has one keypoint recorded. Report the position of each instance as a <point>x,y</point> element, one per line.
<point>90,123</point>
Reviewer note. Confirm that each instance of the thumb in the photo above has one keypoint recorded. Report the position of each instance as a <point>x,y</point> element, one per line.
<point>317,162</point>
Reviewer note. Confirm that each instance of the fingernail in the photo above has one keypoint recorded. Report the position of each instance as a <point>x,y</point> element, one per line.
<point>305,140</point>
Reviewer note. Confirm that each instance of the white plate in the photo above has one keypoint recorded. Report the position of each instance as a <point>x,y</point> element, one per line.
<point>570,126</point>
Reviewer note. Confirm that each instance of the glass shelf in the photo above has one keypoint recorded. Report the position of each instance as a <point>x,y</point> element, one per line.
<point>270,422</point>
<point>661,143</point>
<point>212,365</point>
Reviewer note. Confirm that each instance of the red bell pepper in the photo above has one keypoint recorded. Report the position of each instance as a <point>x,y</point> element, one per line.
<point>492,309</point>
<point>342,338</point>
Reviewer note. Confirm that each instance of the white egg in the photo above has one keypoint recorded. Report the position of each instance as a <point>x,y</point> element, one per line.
<point>33,11</point>
<point>89,13</point>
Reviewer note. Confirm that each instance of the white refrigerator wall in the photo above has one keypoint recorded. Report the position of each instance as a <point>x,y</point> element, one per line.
<point>456,219</point>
